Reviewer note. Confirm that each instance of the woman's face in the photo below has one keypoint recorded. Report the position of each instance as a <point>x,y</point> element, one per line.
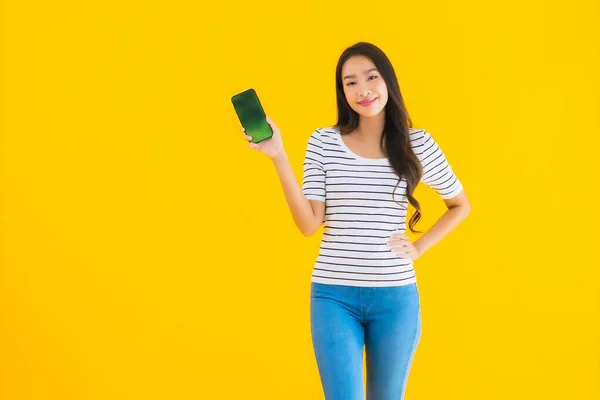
<point>364,87</point>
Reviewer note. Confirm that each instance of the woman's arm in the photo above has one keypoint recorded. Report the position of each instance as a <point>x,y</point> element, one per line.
<point>458,209</point>
<point>308,214</point>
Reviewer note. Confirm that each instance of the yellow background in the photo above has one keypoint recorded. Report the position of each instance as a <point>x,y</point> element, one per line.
<point>147,253</point>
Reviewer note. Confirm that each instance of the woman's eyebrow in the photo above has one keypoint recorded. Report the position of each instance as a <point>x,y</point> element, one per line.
<point>366,72</point>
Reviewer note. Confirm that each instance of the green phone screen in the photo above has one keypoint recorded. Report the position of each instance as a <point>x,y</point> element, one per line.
<point>251,115</point>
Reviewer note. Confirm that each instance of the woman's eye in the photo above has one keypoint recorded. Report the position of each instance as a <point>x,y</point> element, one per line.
<point>372,76</point>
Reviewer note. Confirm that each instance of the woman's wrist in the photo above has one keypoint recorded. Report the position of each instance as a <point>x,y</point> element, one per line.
<point>419,246</point>
<point>280,156</point>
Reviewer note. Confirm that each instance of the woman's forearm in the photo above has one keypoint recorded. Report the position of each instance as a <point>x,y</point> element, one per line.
<point>300,207</point>
<point>443,226</point>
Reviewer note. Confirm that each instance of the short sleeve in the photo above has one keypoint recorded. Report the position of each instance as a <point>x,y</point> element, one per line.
<point>313,181</point>
<point>437,171</point>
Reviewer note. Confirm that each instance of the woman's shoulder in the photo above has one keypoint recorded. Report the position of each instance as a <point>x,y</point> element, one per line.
<point>415,133</point>
<point>329,130</point>
<point>324,132</point>
<point>418,136</point>
<point>418,139</point>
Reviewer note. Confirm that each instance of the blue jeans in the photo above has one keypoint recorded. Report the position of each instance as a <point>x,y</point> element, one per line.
<point>384,320</point>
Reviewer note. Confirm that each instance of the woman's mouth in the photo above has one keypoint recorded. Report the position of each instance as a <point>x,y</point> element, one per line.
<point>367,103</point>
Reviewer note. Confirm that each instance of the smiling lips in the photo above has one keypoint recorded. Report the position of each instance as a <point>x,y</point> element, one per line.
<point>368,102</point>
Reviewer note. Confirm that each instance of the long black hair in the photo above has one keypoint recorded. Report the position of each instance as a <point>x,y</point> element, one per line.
<point>395,141</point>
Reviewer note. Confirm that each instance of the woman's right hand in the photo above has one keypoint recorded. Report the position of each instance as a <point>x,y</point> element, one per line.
<point>273,146</point>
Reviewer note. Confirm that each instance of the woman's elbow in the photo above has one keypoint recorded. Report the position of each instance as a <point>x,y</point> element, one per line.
<point>466,209</point>
<point>309,230</point>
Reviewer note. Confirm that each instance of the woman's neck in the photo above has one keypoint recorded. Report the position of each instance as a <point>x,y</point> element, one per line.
<point>370,128</point>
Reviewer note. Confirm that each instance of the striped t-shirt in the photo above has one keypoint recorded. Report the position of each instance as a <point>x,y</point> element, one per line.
<point>360,213</point>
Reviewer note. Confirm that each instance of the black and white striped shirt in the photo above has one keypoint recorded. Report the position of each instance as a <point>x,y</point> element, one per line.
<point>360,212</point>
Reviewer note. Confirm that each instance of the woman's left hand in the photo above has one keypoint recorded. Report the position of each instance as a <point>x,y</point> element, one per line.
<point>403,247</point>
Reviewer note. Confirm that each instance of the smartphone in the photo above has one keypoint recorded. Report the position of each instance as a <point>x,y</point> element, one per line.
<point>251,115</point>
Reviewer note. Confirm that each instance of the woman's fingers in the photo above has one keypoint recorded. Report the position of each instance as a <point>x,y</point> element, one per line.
<point>274,127</point>
<point>246,137</point>
<point>397,242</point>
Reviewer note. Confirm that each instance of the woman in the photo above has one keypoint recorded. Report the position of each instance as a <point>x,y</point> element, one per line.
<point>359,177</point>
